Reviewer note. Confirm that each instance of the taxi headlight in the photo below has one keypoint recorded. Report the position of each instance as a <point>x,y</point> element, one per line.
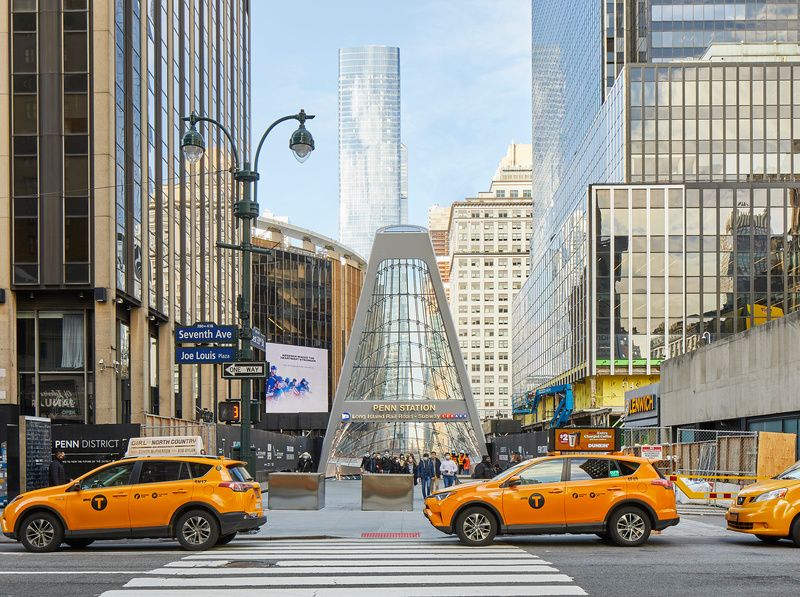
<point>442,496</point>
<point>771,495</point>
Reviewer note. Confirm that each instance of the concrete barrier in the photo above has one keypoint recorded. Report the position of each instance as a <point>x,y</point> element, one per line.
<point>296,491</point>
<point>387,492</point>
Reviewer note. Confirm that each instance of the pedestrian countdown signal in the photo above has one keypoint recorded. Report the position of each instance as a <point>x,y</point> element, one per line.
<point>230,411</point>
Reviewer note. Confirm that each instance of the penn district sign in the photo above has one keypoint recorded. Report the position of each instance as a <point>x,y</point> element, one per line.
<point>366,411</point>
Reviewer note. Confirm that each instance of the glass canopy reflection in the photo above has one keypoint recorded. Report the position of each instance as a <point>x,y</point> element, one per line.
<point>404,352</point>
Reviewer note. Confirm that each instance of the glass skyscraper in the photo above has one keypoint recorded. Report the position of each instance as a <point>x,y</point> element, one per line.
<point>665,193</point>
<point>370,177</point>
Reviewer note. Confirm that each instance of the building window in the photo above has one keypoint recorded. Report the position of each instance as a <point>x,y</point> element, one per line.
<point>500,193</point>
<point>514,194</point>
<point>54,365</point>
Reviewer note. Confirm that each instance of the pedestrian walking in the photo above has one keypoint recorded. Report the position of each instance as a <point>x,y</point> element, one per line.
<point>375,463</point>
<point>386,463</point>
<point>425,473</point>
<point>460,462</point>
<point>305,464</point>
<point>56,473</point>
<point>484,470</point>
<point>467,464</point>
<point>365,463</point>
<point>437,465</point>
<point>449,470</point>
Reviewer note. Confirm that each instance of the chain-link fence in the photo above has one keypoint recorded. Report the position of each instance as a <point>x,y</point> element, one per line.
<point>156,426</point>
<point>697,454</point>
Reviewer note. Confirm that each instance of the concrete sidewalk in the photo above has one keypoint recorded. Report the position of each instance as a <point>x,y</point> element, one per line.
<point>342,517</point>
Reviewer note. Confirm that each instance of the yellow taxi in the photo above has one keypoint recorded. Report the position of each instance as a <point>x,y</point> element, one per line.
<point>201,501</point>
<point>620,498</point>
<point>770,510</point>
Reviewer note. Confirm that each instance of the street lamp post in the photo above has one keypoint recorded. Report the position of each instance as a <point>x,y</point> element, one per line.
<point>302,144</point>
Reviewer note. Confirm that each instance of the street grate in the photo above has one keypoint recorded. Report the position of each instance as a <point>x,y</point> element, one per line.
<point>390,535</point>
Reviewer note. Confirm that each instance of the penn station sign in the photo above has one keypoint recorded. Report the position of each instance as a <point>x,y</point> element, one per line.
<point>400,410</point>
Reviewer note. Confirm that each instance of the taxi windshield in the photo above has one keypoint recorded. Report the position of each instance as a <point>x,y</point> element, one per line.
<point>793,473</point>
<point>514,469</point>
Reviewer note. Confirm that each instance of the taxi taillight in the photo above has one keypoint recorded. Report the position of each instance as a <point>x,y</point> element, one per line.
<point>665,483</point>
<point>236,486</point>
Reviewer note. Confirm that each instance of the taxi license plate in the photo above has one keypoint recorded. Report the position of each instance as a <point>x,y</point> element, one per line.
<point>733,516</point>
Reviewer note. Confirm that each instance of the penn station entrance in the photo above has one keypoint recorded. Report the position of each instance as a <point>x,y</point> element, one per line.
<point>404,388</point>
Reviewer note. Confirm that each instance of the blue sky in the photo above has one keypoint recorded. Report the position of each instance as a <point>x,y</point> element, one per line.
<point>465,94</point>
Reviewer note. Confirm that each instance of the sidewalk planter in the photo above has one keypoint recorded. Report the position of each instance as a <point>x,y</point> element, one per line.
<point>296,491</point>
<point>387,492</point>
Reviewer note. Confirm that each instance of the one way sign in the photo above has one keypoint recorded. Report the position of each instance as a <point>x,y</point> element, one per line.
<point>244,370</point>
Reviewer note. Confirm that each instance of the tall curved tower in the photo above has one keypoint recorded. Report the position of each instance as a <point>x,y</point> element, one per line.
<point>370,178</point>
<point>404,386</point>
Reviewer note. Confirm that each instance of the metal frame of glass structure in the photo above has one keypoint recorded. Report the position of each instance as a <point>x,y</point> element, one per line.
<point>403,351</point>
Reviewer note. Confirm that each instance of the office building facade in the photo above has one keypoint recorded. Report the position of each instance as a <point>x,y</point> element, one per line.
<point>111,236</point>
<point>711,143</point>
<point>488,242</point>
<point>305,293</point>
<point>370,153</point>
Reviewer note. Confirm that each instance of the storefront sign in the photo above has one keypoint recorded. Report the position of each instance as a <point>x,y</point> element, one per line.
<point>642,407</point>
<point>584,439</point>
<point>640,404</point>
<point>60,399</point>
<point>405,410</point>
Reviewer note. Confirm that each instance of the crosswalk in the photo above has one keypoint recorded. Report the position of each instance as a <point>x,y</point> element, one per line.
<point>353,567</point>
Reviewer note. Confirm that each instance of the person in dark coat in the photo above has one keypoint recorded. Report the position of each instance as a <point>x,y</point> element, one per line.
<point>305,464</point>
<point>425,473</point>
<point>484,470</point>
<point>56,473</point>
<point>386,463</point>
<point>365,464</point>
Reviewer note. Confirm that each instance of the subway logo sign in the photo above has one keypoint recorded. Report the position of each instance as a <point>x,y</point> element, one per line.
<point>641,404</point>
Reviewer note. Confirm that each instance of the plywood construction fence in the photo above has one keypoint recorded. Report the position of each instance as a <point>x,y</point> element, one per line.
<point>776,452</point>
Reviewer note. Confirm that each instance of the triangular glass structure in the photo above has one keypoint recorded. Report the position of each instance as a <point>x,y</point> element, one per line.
<point>404,388</point>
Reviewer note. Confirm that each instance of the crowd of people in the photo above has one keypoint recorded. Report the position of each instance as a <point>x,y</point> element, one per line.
<point>430,471</point>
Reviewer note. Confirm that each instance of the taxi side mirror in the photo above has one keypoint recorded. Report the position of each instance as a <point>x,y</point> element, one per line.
<point>515,482</point>
<point>74,487</point>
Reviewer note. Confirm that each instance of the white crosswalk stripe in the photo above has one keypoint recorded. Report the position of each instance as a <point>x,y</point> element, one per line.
<point>353,567</point>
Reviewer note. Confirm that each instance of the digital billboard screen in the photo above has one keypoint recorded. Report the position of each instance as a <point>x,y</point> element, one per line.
<point>297,381</point>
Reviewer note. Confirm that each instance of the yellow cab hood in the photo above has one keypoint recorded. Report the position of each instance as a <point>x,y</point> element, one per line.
<point>764,486</point>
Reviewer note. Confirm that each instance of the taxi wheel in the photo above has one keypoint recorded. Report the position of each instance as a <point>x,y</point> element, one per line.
<point>41,532</point>
<point>225,539</point>
<point>795,534</point>
<point>197,530</point>
<point>629,527</point>
<point>476,527</point>
<point>79,543</point>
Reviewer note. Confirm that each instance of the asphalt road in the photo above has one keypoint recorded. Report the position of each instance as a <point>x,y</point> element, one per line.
<point>699,557</point>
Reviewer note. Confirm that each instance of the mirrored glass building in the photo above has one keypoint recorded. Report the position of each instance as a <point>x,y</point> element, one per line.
<point>665,192</point>
<point>404,386</point>
<point>370,162</point>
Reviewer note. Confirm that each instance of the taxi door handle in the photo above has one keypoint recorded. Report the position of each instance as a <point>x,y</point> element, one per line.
<point>615,488</point>
<point>556,491</point>
<point>180,491</point>
<point>119,495</point>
